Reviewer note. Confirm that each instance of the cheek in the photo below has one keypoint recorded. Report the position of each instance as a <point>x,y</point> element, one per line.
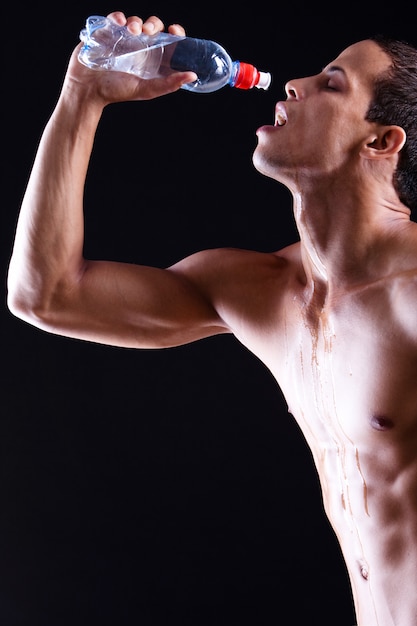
<point>332,144</point>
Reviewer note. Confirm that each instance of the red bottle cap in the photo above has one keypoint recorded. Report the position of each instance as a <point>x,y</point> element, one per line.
<point>248,76</point>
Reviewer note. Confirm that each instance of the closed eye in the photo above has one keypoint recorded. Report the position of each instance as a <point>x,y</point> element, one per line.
<point>331,85</point>
<point>335,78</point>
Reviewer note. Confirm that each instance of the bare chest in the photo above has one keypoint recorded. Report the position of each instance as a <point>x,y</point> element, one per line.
<point>349,376</point>
<point>347,372</point>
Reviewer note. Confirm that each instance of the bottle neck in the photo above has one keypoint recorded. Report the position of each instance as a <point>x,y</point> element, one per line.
<point>247,76</point>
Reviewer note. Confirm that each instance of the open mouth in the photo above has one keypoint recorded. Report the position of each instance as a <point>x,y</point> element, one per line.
<point>280,115</point>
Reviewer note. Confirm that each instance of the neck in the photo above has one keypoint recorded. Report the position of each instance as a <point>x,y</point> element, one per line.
<point>346,235</point>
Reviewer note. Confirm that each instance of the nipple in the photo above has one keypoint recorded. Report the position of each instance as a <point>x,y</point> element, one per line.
<point>364,570</point>
<point>380,422</point>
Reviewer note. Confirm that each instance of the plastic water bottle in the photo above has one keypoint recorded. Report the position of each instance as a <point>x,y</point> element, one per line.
<point>109,46</point>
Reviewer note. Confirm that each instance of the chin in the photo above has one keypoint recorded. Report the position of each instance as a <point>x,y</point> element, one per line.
<point>262,164</point>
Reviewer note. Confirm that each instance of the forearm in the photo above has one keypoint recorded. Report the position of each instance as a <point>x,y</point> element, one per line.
<point>50,284</point>
<point>53,287</point>
<point>47,255</point>
<point>47,252</point>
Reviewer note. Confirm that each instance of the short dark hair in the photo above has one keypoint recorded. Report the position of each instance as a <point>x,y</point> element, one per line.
<point>395,102</point>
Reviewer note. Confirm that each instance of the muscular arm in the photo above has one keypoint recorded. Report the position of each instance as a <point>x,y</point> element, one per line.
<point>50,284</point>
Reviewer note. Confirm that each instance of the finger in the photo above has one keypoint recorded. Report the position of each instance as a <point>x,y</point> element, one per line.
<point>176,29</point>
<point>175,81</point>
<point>153,25</point>
<point>135,24</point>
<point>118,17</point>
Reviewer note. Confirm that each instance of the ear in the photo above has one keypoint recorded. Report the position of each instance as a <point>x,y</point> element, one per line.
<point>386,141</point>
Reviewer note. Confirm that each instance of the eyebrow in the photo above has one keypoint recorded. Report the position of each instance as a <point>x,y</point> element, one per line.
<point>334,68</point>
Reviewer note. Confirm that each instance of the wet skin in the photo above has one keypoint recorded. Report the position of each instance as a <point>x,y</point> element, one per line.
<point>334,316</point>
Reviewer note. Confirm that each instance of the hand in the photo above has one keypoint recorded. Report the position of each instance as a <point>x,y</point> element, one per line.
<point>111,86</point>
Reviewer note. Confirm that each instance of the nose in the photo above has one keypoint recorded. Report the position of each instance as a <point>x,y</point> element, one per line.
<point>293,89</point>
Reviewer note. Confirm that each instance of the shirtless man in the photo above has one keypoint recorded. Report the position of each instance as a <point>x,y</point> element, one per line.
<point>334,316</point>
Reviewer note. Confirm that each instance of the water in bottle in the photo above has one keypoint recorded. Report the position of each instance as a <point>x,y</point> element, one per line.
<point>109,46</point>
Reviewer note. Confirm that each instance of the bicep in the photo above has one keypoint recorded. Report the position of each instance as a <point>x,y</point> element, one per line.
<point>133,306</point>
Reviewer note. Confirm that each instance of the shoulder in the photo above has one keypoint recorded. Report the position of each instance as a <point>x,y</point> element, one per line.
<point>245,287</point>
<point>403,299</point>
<point>236,266</point>
<point>403,287</point>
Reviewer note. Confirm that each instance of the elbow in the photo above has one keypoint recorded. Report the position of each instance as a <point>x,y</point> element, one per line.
<point>14,304</point>
<point>26,303</point>
<point>40,301</point>
<point>24,309</point>
<point>15,299</point>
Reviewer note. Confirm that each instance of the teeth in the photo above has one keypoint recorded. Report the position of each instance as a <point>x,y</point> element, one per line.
<point>280,119</point>
<point>280,115</point>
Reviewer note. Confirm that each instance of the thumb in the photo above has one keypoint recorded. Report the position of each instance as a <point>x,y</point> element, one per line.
<point>178,79</point>
<point>156,87</point>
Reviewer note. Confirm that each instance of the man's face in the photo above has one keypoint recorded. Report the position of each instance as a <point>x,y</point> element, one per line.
<point>322,122</point>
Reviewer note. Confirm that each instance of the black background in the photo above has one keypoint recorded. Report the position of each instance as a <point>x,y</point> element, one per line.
<point>163,488</point>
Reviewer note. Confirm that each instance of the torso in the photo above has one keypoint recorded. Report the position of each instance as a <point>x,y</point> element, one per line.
<point>349,374</point>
